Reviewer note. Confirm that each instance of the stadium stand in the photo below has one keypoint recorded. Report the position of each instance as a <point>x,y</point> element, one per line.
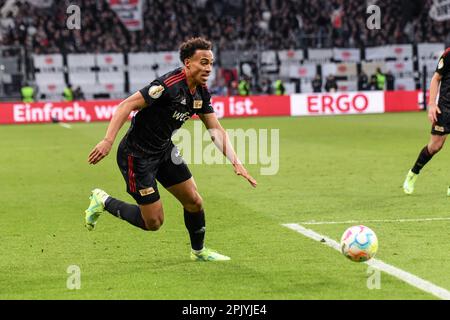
<point>264,39</point>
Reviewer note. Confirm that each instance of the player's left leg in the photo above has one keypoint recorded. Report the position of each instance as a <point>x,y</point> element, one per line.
<point>194,219</point>
<point>176,177</point>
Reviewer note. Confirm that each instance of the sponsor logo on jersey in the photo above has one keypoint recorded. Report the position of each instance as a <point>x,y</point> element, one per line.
<point>147,191</point>
<point>441,64</point>
<point>198,104</point>
<point>155,91</point>
<point>182,116</point>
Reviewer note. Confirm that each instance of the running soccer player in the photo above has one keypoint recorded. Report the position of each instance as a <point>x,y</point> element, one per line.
<point>146,153</point>
<point>439,116</point>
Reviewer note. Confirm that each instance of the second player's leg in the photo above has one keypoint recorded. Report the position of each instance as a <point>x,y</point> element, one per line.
<point>434,146</point>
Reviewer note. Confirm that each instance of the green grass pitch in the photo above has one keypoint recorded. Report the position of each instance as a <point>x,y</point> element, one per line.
<point>331,169</point>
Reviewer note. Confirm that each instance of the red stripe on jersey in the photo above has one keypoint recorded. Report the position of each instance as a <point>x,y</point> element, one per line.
<point>446,52</point>
<point>175,81</point>
<point>176,77</point>
<point>172,77</point>
<point>169,83</point>
<point>131,175</point>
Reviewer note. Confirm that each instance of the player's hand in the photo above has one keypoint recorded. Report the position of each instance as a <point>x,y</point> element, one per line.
<point>100,151</point>
<point>240,171</point>
<point>433,110</point>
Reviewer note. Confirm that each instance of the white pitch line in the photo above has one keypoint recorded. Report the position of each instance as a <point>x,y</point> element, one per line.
<point>65,125</point>
<point>359,221</point>
<point>407,277</point>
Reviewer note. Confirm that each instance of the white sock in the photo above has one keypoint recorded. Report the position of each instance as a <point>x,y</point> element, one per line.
<point>103,198</point>
<point>197,251</point>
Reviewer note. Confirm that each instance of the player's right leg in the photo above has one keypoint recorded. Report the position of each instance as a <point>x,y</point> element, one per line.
<point>139,175</point>
<point>436,143</point>
<point>148,217</point>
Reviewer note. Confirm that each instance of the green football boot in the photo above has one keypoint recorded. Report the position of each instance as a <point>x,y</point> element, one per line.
<point>208,255</point>
<point>408,185</point>
<point>96,208</point>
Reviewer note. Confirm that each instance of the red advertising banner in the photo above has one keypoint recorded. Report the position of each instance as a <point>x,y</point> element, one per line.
<point>251,106</point>
<point>397,101</point>
<point>44,112</point>
<point>87,111</point>
<point>226,107</point>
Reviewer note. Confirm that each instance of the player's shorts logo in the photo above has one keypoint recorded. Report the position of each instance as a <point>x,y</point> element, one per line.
<point>155,91</point>
<point>146,192</point>
<point>198,104</point>
<point>439,128</point>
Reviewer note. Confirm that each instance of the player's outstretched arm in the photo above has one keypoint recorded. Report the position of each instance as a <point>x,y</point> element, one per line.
<point>220,139</point>
<point>433,108</point>
<point>102,149</point>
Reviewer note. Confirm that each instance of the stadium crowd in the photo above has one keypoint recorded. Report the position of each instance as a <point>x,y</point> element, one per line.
<point>230,24</point>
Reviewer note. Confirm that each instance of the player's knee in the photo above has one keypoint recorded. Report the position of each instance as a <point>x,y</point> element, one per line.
<point>435,147</point>
<point>195,203</point>
<point>153,224</point>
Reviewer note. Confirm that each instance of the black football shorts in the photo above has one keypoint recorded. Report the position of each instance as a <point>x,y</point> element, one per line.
<point>141,173</point>
<point>442,125</point>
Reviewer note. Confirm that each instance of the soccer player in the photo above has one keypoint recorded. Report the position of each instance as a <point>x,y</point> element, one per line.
<point>146,153</point>
<point>439,116</point>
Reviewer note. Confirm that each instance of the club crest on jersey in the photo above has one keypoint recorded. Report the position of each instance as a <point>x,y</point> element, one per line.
<point>441,64</point>
<point>198,104</point>
<point>155,91</point>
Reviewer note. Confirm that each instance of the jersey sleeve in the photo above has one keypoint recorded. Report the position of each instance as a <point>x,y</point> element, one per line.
<point>443,66</point>
<point>154,92</point>
<point>206,104</point>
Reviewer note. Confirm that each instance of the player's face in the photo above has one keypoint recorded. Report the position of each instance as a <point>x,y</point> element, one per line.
<point>200,65</point>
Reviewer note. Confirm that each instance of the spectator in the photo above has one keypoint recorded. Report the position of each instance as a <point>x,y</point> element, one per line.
<point>390,81</point>
<point>381,79</point>
<point>244,87</point>
<point>331,84</point>
<point>78,94</point>
<point>279,88</point>
<point>266,86</point>
<point>317,83</point>
<point>373,85</point>
<point>27,92</point>
<point>363,81</point>
<point>68,93</point>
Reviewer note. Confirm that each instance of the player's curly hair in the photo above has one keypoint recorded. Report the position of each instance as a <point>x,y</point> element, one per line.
<point>188,48</point>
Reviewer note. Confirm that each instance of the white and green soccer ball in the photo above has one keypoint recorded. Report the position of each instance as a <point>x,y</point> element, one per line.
<point>359,243</point>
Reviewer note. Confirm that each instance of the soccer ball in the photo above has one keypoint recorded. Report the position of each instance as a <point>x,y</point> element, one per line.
<point>359,243</point>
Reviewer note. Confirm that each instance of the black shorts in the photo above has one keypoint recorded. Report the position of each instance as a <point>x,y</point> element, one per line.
<point>442,125</point>
<point>140,173</point>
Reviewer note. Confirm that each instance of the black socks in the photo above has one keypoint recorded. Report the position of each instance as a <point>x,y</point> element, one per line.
<point>195,223</point>
<point>422,160</point>
<point>125,211</point>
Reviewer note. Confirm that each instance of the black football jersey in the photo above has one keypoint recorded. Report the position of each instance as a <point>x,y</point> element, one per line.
<point>169,105</point>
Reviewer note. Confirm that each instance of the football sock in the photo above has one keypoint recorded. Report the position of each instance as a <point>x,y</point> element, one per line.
<point>125,211</point>
<point>422,160</point>
<point>195,224</point>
